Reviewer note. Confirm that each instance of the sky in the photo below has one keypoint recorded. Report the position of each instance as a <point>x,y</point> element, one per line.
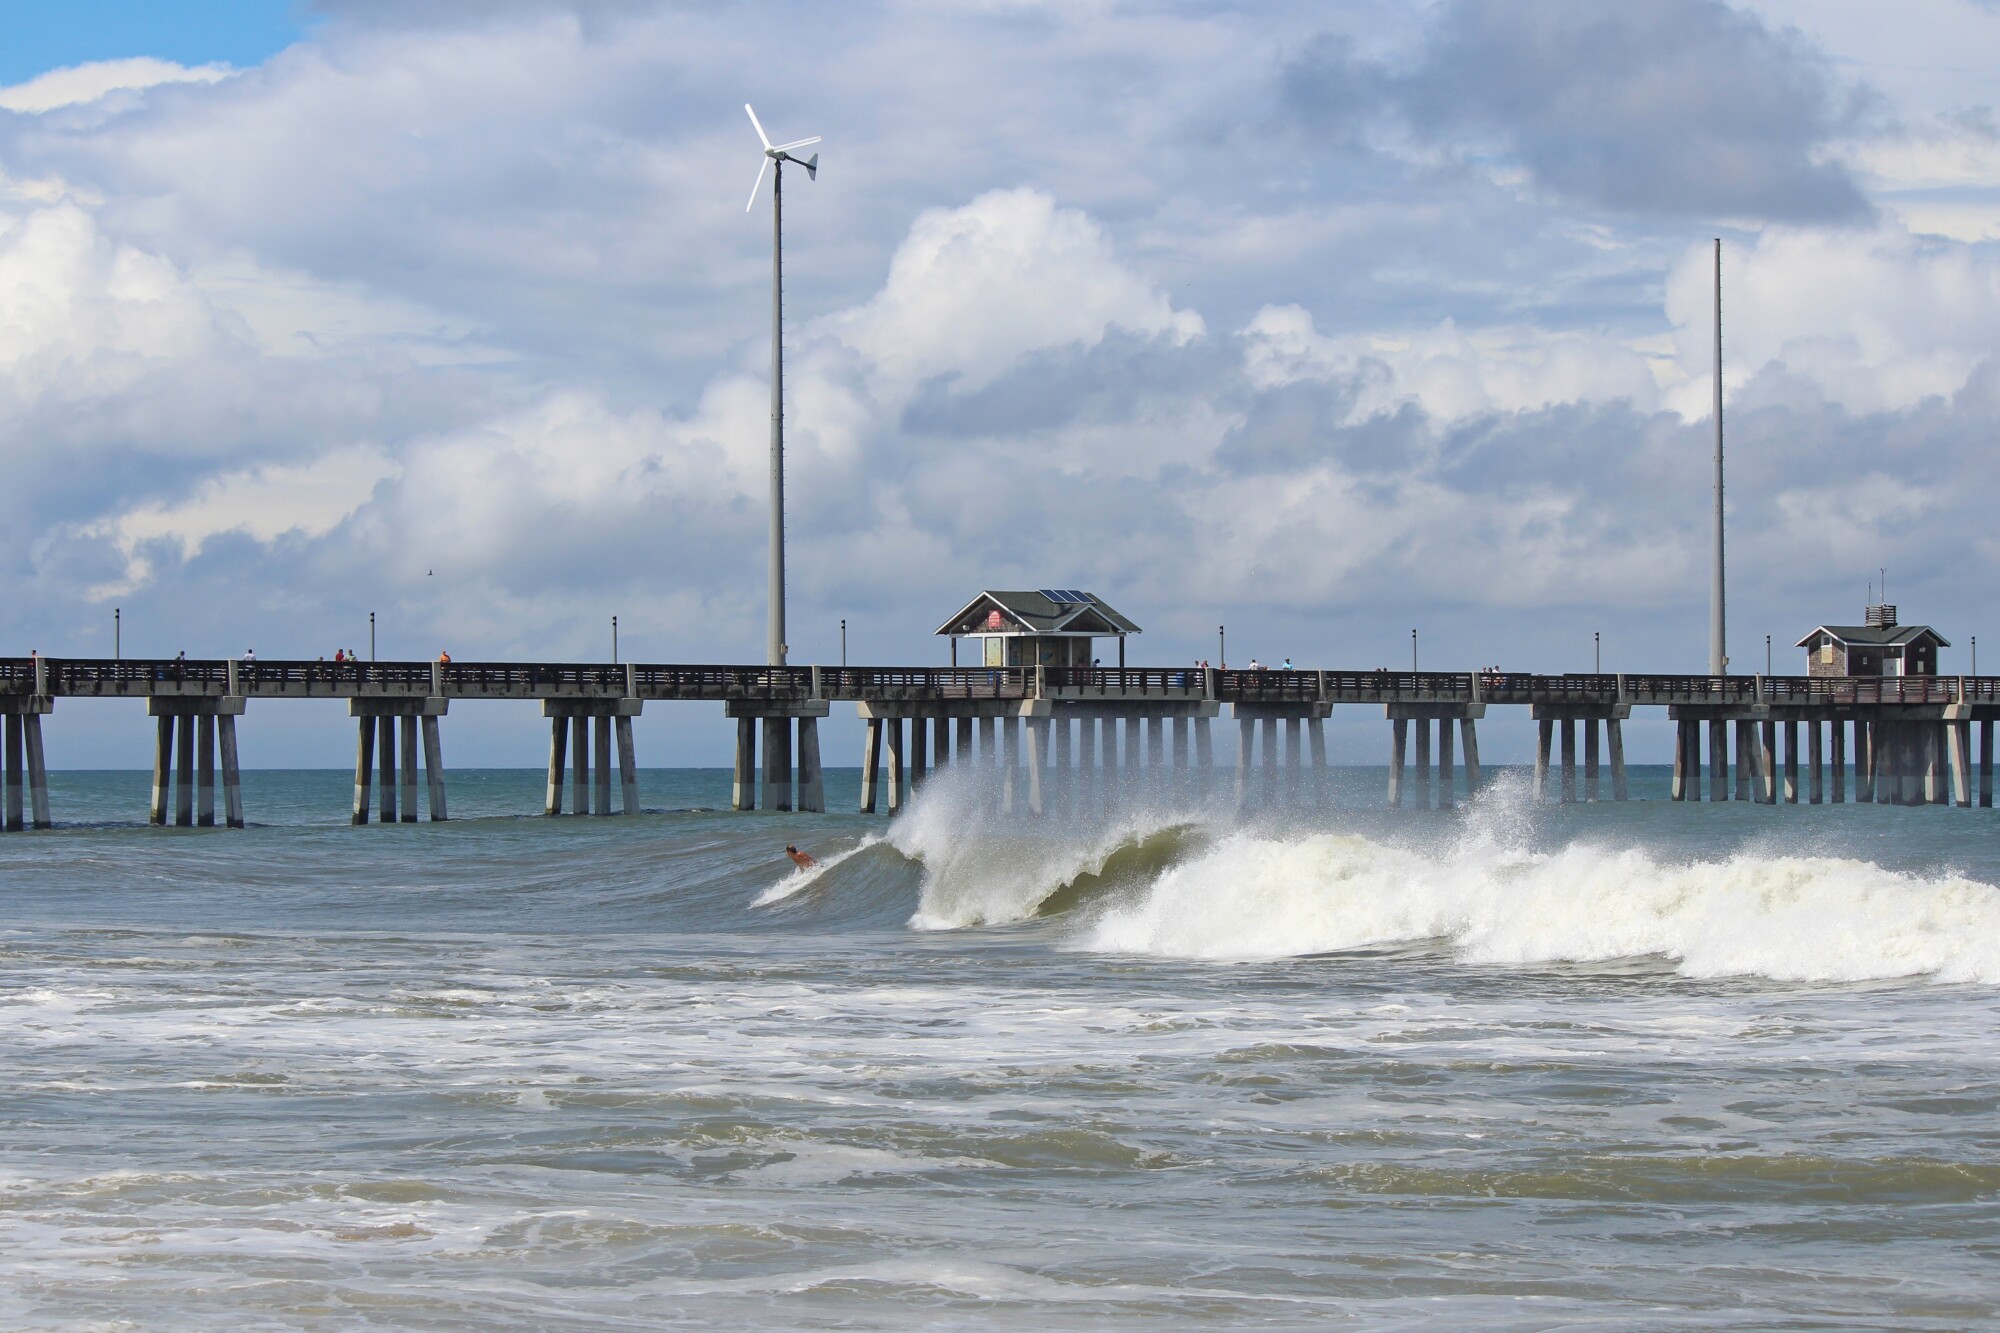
<point>1326,321</point>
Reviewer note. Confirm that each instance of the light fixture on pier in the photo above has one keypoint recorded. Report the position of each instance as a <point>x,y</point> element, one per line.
<point>775,157</point>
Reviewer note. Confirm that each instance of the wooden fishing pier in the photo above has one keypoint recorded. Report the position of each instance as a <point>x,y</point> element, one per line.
<point>1906,739</point>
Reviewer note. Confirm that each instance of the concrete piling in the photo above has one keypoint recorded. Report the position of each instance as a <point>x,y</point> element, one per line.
<point>558,745</point>
<point>743,794</point>
<point>1446,798</point>
<point>897,777</point>
<point>871,763</point>
<point>1468,735</point>
<point>184,773</point>
<point>1399,734</point>
<point>1544,739</point>
<point>1590,762</point>
<point>364,767</point>
<point>385,754</point>
<point>433,766</point>
<point>15,817</point>
<point>812,778</point>
<point>1568,726</point>
<point>1614,739</point>
<point>407,758</point>
<point>601,758</point>
<point>204,813</point>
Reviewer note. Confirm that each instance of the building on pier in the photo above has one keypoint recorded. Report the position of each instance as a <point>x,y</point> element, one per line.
<point>1879,648</point>
<point>1053,627</point>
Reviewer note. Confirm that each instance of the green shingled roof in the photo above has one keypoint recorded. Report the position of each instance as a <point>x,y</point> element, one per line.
<point>1036,613</point>
<point>1876,636</point>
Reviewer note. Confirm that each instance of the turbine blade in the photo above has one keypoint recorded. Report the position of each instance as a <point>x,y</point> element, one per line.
<point>796,143</point>
<point>761,168</point>
<point>759,124</point>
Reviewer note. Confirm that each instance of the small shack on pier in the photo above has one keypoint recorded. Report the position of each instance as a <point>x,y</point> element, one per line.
<point>1879,648</point>
<point>1051,627</point>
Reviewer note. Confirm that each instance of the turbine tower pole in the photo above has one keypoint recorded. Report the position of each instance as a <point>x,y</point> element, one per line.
<point>777,573</point>
<point>1718,646</point>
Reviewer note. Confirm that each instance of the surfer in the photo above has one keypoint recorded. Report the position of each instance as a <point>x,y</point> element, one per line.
<point>799,858</point>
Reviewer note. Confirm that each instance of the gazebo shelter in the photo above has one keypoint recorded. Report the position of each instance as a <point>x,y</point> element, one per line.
<point>1050,627</point>
<point>1879,648</point>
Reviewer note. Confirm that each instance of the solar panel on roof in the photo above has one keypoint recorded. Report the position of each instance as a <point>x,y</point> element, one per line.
<point>1068,596</point>
<point>1053,594</point>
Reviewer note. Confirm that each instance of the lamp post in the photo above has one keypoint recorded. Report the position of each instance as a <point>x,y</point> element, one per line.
<point>1597,650</point>
<point>371,643</point>
<point>1222,647</point>
<point>843,643</point>
<point>1975,654</point>
<point>1413,652</point>
<point>614,641</point>
<point>118,629</point>
<point>1767,654</point>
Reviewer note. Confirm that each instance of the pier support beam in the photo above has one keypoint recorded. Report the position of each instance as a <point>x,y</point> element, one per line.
<point>1815,766</point>
<point>1468,735</point>
<point>812,778</point>
<point>1399,733</point>
<point>1986,764</point>
<point>1767,763</point>
<point>1791,784</point>
<point>364,768</point>
<point>1590,787</point>
<point>1864,762</point>
<point>552,805</point>
<point>38,770</point>
<point>1746,758</point>
<point>232,772</point>
<point>1423,792</point>
<point>15,816</point>
<point>778,766</point>
<point>743,793</point>
<point>1568,761</point>
<point>1614,736</point>
<point>163,766</point>
<point>1837,759</point>
<point>1718,759</point>
<point>897,776</point>
<point>1678,790</point>
<point>385,776</point>
<point>871,763</point>
<point>1958,734</point>
<point>1446,798</point>
<point>579,766</point>
<point>1544,740</point>
<point>433,763</point>
<point>407,726</point>
<point>204,792</point>
<point>184,774</point>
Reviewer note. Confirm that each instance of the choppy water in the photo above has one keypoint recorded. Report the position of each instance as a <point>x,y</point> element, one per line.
<point>1639,1066</point>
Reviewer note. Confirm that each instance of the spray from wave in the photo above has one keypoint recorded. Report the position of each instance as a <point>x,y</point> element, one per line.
<point>1156,877</point>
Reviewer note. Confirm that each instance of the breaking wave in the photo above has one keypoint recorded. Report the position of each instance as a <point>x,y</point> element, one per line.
<point>1174,882</point>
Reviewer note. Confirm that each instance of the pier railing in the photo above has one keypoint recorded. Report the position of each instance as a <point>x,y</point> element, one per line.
<point>170,677</point>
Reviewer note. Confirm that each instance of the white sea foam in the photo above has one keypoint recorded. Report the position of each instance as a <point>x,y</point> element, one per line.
<point>1488,894</point>
<point>1806,918</point>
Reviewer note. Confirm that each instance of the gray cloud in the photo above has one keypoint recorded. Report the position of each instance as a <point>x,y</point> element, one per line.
<point>1659,107</point>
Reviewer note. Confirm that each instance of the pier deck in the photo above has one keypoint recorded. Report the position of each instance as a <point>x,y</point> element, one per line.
<point>1911,735</point>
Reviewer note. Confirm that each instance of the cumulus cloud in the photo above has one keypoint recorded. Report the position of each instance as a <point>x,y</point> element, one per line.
<point>455,314</point>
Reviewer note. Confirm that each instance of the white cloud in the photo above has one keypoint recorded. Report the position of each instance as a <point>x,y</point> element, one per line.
<point>309,500</point>
<point>75,85</point>
<point>1875,320</point>
<point>1448,372</point>
<point>973,289</point>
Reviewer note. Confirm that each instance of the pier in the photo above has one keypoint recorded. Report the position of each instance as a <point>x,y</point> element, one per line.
<point>1054,734</point>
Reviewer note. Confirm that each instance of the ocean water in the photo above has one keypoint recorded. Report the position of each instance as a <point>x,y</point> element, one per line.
<point>1154,1065</point>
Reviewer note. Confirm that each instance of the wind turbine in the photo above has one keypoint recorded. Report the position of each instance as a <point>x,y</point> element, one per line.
<point>775,157</point>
